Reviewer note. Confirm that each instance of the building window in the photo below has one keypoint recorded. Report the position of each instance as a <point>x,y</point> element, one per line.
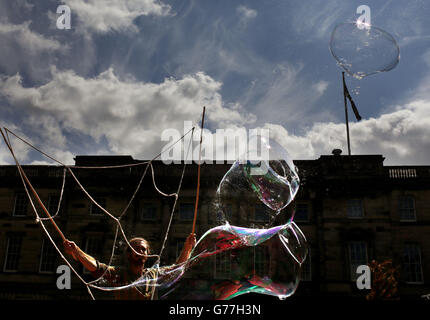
<point>261,213</point>
<point>222,265</point>
<point>53,201</point>
<point>354,208</point>
<point>179,246</point>
<point>357,257</point>
<point>412,268</point>
<point>302,212</point>
<point>29,172</point>
<point>228,212</point>
<point>55,172</point>
<point>94,209</point>
<point>261,260</point>
<point>47,257</point>
<point>223,212</point>
<point>306,270</point>
<point>186,211</point>
<point>93,247</point>
<point>21,204</point>
<point>13,253</point>
<point>407,208</point>
<point>149,211</point>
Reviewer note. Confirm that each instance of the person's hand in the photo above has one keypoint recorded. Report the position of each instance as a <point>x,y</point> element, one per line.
<point>190,242</point>
<point>71,248</point>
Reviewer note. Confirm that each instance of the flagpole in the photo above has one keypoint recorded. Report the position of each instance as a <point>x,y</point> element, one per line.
<point>198,172</point>
<point>346,113</point>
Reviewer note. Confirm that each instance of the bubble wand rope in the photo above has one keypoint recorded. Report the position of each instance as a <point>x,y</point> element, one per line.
<point>198,172</point>
<point>31,188</point>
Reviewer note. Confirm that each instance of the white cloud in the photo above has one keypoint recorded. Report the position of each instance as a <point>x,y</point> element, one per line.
<point>286,95</point>
<point>21,35</point>
<point>21,150</point>
<point>246,13</point>
<point>26,51</point>
<point>321,87</point>
<point>5,156</point>
<point>317,20</point>
<point>129,115</point>
<point>111,15</point>
<point>401,136</point>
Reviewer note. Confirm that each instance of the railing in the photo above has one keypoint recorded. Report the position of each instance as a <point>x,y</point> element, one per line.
<point>405,172</point>
<point>399,173</point>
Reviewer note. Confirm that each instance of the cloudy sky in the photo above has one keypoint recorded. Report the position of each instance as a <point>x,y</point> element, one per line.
<point>128,70</point>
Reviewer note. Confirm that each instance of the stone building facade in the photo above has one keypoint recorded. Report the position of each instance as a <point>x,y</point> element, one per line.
<point>352,209</point>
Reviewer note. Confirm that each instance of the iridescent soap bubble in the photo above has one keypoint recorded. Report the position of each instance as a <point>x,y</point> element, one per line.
<point>251,251</point>
<point>274,178</point>
<point>226,262</point>
<point>362,49</point>
<point>229,261</point>
<point>123,283</point>
<point>257,186</point>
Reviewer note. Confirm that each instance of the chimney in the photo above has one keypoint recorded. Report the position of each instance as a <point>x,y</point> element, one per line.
<point>336,152</point>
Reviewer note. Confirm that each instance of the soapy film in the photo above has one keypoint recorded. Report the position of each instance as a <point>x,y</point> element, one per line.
<point>231,261</point>
<point>265,174</point>
<point>362,50</point>
<point>255,257</point>
<point>244,260</point>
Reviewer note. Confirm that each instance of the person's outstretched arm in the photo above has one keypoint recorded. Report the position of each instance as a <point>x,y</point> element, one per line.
<point>87,261</point>
<point>189,244</point>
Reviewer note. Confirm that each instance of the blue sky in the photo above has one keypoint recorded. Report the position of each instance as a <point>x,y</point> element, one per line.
<point>127,70</point>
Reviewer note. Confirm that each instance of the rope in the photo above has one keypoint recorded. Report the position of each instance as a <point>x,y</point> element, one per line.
<point>24,176</point>
<point>61,196</point>
<point>198,172</point>
<point>176,198</point>
<point>7,141</point>
<point>99,167</point>
<point>26,182</point>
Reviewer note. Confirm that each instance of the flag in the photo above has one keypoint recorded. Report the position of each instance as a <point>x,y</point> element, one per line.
<point>354,107</point>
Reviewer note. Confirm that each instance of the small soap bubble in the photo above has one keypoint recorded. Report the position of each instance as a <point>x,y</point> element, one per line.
<point>362,51</point>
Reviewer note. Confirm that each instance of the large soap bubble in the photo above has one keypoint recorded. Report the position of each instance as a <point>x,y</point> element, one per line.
<point>258,185</point>
<point>251,251</point>
<point>226,262</point>
<point>363,50</point>
<point>229,261</point>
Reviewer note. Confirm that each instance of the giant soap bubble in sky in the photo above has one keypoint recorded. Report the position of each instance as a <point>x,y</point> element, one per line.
<point>363,49</point>
<point>264,179</point>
